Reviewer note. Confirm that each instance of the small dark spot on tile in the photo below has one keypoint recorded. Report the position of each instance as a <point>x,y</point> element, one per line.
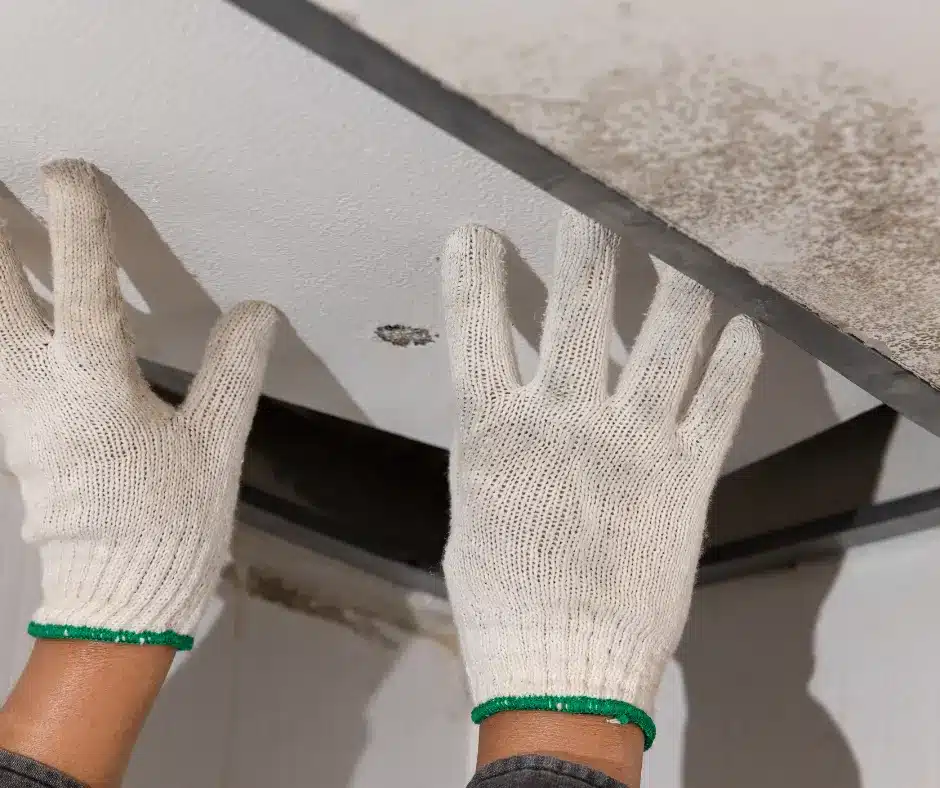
<point>403,336</point>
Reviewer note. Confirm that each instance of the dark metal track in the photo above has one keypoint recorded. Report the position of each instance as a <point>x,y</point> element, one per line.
<point>380,501</point>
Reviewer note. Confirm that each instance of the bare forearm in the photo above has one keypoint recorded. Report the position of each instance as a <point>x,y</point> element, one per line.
<point>79,706</point>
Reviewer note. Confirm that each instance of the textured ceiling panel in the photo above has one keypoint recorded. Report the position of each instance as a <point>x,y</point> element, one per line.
<point>267,173</point>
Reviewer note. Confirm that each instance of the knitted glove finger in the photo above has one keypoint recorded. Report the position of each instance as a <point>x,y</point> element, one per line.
<point>715,411</point>
<point>222,399</point>
<point>22,327</point>
<point>573,356</point>
<point>87,302</point>
<point>663,357</point>
<point>483,360</point>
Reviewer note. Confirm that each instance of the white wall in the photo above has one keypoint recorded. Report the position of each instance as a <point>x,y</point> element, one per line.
<point>821,675</point>
<point>824,675</point>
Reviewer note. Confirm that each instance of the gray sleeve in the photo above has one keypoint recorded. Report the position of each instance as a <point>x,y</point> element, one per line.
<point>18,771</point>
<point>540,771</point>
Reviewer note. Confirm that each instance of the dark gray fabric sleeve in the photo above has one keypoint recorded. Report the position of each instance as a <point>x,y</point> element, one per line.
<point>522,771</point>
<point>540,771</point>
<point>18,771</point>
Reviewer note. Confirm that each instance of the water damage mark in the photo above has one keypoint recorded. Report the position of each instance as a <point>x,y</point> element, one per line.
<point>403,336</point>
<point>263,584</point>
<point>388,629</point>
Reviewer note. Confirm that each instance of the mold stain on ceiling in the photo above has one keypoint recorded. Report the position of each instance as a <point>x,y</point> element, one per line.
<point>831,179</point>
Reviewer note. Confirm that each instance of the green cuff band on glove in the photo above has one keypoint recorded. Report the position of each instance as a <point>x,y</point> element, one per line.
<point>625,713</point>
<point>66,632</point>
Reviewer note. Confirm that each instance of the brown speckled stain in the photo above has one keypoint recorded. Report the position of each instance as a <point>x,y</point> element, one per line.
<point>266,584</point>
<point>825,188</point>
<point>271,588</point>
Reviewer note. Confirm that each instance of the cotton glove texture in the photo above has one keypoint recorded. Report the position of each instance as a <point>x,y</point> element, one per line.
<point>130,501</point>
<point>577,517</point>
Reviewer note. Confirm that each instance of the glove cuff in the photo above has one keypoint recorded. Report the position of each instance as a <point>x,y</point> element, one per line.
<point>144,638</point>
<point>587,666</point>
<point>107,593</point>
<point>620,711</point>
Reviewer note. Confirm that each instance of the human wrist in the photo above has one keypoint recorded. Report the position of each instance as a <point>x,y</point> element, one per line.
<point>612,711</point>
<point>615,750</point>
<point>79,706</point>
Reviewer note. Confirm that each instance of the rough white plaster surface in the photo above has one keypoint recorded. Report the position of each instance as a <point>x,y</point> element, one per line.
<point>801,140</point>
<point>269,174</point>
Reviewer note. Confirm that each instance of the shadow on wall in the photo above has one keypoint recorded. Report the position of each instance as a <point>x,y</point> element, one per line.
<point>174,315</point>
<point>267,698</point>
<point>747,659</point>
<point>747,655</point>
<point>789,399</point>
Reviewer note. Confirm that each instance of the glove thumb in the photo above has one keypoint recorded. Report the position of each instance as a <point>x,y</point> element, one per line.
<point>224,394</point>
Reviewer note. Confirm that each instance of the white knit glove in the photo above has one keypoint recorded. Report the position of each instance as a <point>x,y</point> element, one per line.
<point>129,500</point>
<point>577,517</point>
